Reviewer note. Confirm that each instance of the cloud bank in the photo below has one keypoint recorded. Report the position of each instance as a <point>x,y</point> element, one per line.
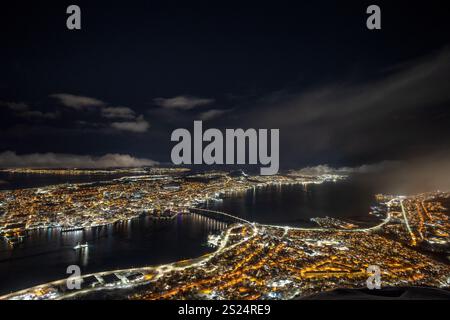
<point>10,159</point>
<point>118,112</point>
<point>76,102</point>
<point>140,125</point>
<point>423,173</point>
<point>182,102</point>
<point>212,114</point>
<point>133,123</point>
<point>366,168</point>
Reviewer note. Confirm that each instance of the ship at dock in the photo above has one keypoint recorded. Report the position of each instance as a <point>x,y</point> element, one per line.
<point>71,229</point>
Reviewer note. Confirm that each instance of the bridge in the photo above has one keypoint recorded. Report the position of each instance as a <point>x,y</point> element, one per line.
<point>218,215</point>
<point>226,217</point>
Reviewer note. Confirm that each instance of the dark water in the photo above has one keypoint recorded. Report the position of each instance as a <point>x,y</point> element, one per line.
<point>45,255</point>
<point>294,205</point>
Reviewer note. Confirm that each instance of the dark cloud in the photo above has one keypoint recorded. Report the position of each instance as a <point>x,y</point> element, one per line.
<point>39,114</point>
<point>418,84</point>
<point>354,119</point>
<point>15,106</point>
<point>118,118</point>
<point>23,110</point>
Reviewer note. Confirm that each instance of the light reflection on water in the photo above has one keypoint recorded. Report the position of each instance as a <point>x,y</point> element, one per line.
<point>46,253</point>
<point>295,205</point>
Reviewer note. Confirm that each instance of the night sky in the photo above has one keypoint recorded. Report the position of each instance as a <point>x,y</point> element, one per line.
<point>340,94</point>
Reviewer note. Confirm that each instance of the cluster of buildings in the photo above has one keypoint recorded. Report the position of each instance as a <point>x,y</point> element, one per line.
<point>160,192</point>
<point>251,261</point>
<point>420,221</point>
<point>282,264</point>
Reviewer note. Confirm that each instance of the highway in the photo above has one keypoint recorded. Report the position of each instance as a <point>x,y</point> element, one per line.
<point>413,238</point>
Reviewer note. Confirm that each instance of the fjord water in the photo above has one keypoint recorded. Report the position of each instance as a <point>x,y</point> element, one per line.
<point>45,255</point>
<point>295,205</point>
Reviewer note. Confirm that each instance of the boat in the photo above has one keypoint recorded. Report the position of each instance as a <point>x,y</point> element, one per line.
<point>69,229</point>
<point>81,246</point>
